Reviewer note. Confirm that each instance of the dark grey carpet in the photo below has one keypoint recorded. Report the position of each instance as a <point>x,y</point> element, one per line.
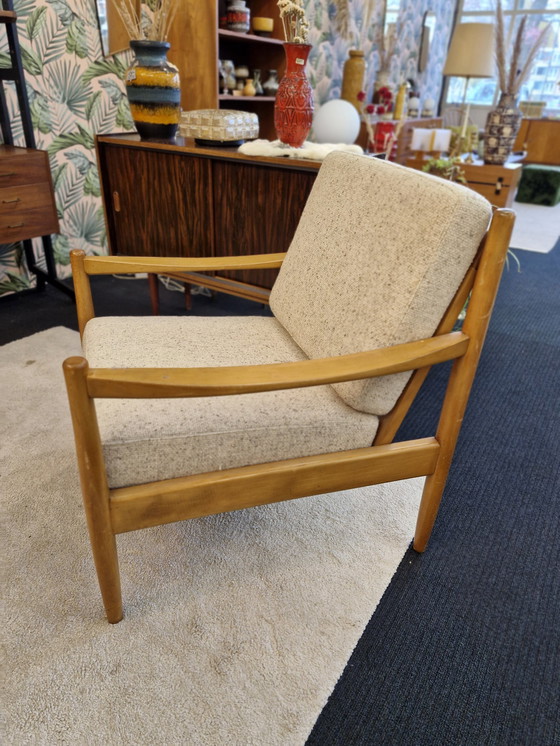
<point>464,648</point>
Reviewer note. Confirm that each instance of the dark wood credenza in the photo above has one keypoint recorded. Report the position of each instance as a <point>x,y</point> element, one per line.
<point>164,199</point>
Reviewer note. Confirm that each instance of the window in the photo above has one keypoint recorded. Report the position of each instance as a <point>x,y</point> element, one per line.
<point>543,84</point>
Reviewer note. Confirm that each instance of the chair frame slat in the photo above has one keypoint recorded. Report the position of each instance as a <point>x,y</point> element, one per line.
<point>178,499</point>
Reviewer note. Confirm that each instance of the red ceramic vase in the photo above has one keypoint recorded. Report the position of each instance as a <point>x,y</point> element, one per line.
<point>293,109</point>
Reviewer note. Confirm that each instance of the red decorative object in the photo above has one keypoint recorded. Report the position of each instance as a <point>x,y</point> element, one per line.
<point>293,109</point>
<point>384,133</point>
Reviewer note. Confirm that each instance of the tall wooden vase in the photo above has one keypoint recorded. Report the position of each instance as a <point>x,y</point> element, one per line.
<point>293,108</point>
<point>153,90</point>
<point>353,77</point>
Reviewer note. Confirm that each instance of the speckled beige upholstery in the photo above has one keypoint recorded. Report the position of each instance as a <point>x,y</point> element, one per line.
<point>147,440</point>
<point>378,255</point>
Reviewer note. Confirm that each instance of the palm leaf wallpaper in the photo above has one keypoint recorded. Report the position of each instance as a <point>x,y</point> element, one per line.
<point>75,93</point>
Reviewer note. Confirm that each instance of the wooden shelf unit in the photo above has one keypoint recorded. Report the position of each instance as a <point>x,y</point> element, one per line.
<point>197,44</point>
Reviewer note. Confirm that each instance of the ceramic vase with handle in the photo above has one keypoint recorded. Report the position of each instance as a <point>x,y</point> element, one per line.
<point>502,126</point>
<point>153,90</point>
<point>293,108</point>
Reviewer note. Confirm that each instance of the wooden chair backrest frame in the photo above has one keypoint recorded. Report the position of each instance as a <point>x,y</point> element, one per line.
<point>390,423</point>
<point>113,511</point>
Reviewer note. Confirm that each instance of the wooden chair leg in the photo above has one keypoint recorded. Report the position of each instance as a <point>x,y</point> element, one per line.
<point>464,369</point>
<point>95,490</point>
<point>154,292</point>
<point>188,297</point>
<point>429,506</point>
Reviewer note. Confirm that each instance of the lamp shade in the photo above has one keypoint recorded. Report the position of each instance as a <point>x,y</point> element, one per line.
<point>471,52</point>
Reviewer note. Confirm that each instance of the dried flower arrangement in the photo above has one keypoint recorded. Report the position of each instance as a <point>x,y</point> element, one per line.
<point>386,46</point>
<point>294,21</point>
<point>346,27</point>
<point>512,75</point>
<point>153,27</point>
<point>371,114</point>
<point>345,24</point>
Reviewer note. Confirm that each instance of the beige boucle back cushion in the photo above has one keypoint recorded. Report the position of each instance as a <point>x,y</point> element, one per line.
<point>377,257</point>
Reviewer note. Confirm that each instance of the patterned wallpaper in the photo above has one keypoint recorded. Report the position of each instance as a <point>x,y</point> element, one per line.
<point>330,52</point>
<point>75,92</point>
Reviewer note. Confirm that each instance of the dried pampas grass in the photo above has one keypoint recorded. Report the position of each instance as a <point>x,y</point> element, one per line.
<point>512,76</point>
<point>346,26</point>
<point>148,28</point>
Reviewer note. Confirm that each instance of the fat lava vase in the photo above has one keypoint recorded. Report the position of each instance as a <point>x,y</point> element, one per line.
<point>502,126</point>
<point>293,108</point>
<point>153,90</point>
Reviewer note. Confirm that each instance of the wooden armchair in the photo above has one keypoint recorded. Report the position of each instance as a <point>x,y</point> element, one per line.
<point>181,417</point>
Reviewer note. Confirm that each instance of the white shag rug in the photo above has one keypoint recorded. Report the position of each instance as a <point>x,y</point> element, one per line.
<point>236,627</point>
<point>536,228</point>
<point>312,151</point>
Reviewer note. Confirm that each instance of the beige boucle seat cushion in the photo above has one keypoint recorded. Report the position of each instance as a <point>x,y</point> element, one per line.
<point>376,259</point>
<point>151,439</point>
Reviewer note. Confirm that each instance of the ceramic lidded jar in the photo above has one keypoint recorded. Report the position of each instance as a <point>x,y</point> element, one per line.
<point>238,16</point>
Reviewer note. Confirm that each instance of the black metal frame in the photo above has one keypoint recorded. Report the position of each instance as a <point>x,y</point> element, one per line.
<point>16,75</point>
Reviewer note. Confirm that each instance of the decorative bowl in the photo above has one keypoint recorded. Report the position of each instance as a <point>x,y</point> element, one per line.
<point>263,26</point>
<point>219,127</point>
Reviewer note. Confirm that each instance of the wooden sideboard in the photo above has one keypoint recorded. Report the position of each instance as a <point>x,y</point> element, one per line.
<point>540,139</point>
<point>164,199</point>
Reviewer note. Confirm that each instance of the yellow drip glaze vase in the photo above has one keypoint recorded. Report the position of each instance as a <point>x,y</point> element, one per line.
<point>153,90</point>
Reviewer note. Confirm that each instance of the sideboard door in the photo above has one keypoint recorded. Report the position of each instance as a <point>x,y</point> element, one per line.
<point>157,203</point>
<point>256,211</point>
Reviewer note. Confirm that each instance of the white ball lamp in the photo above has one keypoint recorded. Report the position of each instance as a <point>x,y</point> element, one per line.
<point>335,122</point>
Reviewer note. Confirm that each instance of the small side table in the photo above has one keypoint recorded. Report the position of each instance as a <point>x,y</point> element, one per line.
<point>497,183</point>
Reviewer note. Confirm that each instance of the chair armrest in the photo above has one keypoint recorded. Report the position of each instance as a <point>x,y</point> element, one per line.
<point>143,383</point>
<point>108,265</point>
<point>83,266</point>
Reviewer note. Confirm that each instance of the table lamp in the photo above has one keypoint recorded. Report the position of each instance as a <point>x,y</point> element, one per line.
<point>470,55</point>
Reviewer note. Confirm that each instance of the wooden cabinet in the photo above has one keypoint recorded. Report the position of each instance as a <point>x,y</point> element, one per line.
<point>27,206</point>
<point>181,200</point>
<point>156,202</point>
<point>497,183</point>
<point>540,138</point>
<point>197,45</point>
